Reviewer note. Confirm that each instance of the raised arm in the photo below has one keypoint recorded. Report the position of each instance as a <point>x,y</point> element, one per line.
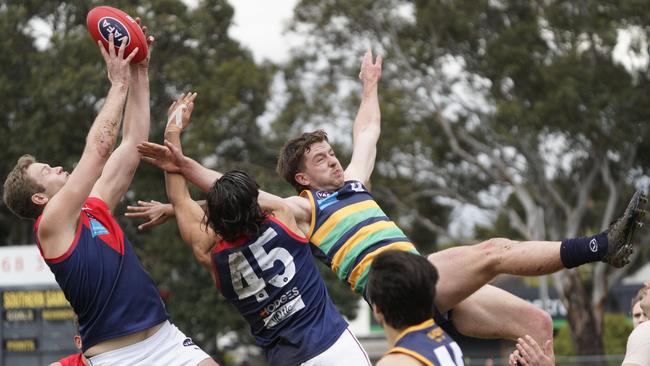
<point>121,167</point>
<point>170,158</point>
<point>366,129</point>
<point>59,219</point>
<point>189,215</point>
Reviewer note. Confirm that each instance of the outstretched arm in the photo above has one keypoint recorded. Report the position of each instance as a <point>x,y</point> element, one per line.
<point>367,126</point>
<point>122,165</point>
<point>170,158</point>
<point>189,215</point>
<point>59,220</point>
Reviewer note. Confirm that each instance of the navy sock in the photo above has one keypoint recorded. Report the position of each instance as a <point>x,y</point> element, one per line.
<point>586,249</point>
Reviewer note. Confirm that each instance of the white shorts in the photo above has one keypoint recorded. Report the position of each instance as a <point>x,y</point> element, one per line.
<point>168,346</point>
<point>345,351</point>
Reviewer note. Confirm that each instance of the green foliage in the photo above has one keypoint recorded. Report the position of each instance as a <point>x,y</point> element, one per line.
<point>562,342</point>
<point>616,330</point>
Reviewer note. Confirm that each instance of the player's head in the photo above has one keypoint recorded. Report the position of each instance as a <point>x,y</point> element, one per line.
<point>638,316</point>
<point>401,288</point>
<point>30,185</point>
<point>308,161</point>
<point>233,210</point>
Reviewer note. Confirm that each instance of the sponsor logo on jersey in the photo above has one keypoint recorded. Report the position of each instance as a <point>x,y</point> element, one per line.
<point>322,194</point>
<point>282,307</point>
<point>188,342</point>
<point>96,228</point>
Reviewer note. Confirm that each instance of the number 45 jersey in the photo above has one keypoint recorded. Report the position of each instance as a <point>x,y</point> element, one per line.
<point>273,281</point>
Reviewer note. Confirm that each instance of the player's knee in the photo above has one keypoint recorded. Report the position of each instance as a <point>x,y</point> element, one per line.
<point>542,325</point>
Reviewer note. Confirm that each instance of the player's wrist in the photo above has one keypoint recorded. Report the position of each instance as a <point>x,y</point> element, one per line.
<point>370,90</point>
<point>120,82</point>
<point>172,130</point>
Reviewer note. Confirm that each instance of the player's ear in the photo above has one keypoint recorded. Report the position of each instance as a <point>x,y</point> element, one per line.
<point>77,341</point>
<point>376,312</point>
<point>40,198</point>
<point>302,179</point>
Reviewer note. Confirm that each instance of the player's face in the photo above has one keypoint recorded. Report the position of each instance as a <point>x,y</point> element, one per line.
<point>322,170</point>
<point>51,178</point>
<point>638,316</point>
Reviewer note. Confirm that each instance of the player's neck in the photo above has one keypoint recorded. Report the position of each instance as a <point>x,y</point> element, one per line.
<point>391,334</point>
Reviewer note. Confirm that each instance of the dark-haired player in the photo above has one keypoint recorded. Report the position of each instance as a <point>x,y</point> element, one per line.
<point>401,290</point>
<point>262,263</point>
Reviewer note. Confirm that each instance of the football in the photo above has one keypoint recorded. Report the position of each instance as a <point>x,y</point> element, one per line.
<point>104,20</point>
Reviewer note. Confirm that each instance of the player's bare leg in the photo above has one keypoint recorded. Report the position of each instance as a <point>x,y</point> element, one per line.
<point>494,313</point>
<point>465,269</point>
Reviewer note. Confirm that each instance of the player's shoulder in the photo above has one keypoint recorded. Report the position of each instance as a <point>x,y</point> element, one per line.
<point>399,359</point>
<point>640,336</point>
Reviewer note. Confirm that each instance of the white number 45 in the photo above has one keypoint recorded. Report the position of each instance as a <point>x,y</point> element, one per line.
<point>241,270</point>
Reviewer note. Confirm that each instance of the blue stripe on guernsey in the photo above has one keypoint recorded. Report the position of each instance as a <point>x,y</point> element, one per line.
<point>330,200</point>
<point>274,283</point>
<point>348,229</point>
<point>103,279</point>
<point>429,344</point>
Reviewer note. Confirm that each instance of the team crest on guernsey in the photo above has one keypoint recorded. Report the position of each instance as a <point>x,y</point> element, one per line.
<point>96,228</point>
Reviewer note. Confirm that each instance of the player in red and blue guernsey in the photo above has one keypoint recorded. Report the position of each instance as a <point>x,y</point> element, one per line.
<point>401,288</point>
<point>122,318</point>
<point>262,264</point>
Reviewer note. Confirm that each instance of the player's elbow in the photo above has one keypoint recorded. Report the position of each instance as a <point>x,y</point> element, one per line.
<point>100,145</point>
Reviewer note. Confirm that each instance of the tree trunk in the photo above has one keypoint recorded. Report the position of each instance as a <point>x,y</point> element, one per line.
<point>587,335</point>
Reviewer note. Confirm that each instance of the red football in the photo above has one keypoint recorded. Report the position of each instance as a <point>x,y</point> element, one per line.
<point>104,20</point>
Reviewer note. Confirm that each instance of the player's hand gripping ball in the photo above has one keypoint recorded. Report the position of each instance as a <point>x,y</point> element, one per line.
<point>104,20</point>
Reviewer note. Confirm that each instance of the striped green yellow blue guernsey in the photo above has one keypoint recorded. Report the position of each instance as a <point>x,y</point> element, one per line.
<point>349,229</point>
